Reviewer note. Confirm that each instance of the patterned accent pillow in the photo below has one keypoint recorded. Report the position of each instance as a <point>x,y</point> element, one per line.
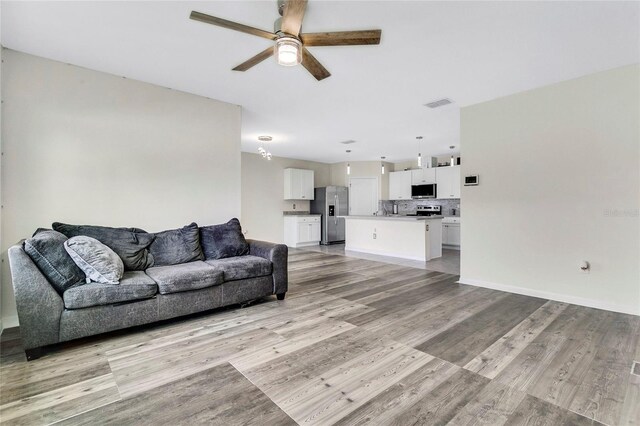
<point>225,240</point>
<point>99,263</point>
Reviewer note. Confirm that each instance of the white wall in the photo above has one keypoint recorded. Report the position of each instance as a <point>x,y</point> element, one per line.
<point>559,174</point>
<point>82,146</point>
<point>339,175</point>
<point>263,194</point>
<point>1,239</point>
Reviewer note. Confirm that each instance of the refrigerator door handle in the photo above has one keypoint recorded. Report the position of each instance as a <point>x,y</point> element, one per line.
<point>337,204</point>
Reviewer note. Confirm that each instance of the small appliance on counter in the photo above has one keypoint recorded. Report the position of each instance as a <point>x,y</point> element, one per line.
<point>331,202</point>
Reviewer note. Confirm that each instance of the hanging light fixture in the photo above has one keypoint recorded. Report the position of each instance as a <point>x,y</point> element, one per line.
<point>348,165</point>
<point>419,138</point>
<point>382,164</point>
<point>288,51</point>
<point>265,154</point>
<point>452,159</point>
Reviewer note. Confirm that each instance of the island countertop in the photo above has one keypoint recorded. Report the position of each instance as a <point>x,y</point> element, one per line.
<point>395,218</point>
<point>408,237</point>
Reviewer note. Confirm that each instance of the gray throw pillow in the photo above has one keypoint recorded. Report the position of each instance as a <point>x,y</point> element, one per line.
<point>131,244</point>
<point>46,249</point>
<point>225,240</point>
<point>99,263</point>
<point>177,246</point>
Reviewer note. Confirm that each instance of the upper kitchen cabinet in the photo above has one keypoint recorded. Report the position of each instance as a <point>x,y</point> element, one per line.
<point>400,185</point>
<point>423,176</point>
<point>448,180</point>
<point>298,184</point>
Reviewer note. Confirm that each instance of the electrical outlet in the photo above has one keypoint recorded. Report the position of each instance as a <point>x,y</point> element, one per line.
<point>294,206</point>
<point>375,235</point>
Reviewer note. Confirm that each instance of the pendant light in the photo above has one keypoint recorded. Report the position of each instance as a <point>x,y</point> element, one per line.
<point>419,138</point>
<point>382,164</point>
<point>265,154</point>
<point>452,159</point>
<point>348,165</point>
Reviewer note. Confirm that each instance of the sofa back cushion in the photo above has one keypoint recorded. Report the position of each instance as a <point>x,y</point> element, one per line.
<point>131,244</point>
<point>224,240</point>
<point>99,263</point>
<point>46,249</point>
<point>177,246</point>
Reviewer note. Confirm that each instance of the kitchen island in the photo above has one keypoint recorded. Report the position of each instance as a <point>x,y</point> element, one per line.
<point>407,237</point>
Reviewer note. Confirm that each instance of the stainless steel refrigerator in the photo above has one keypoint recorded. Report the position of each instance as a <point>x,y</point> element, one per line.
<point>331,202</point>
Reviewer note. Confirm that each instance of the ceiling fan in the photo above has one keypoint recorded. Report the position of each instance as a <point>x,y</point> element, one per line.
<point>291,45</point>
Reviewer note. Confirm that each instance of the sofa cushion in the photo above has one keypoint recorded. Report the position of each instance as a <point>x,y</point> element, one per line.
<point>131,244</point>
<point>185,277</point>
<point>98,262</point>
<point>177,246</point>
<point>46,249</point>
<point>134,285</point>
<point>241,267</point>
<point>224,240</point>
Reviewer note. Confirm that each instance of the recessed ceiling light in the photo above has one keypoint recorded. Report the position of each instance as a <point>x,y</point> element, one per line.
<point>439,103</point>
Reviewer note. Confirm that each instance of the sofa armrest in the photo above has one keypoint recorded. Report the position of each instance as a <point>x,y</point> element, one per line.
<point>39,305</point>
<point>278,254</point>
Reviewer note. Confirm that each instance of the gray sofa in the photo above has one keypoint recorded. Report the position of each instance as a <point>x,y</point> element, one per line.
<point>142,296</point>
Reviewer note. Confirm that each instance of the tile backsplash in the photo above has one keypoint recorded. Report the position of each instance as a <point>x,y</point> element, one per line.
<point>410,206</point>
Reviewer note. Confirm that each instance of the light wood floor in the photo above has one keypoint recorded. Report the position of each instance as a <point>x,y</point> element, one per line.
<point>448,263</point>
<point>356,341</point>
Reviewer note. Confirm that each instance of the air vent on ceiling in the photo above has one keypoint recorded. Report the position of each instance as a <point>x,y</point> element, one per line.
<point>349,142</point>
<point>439,103</point>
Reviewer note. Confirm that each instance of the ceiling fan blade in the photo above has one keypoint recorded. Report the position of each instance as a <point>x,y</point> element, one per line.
<point>208,19</point>
<point>255,60</point>
<point>313,66</point>
<point>292,16</point>
<point>342,38</point>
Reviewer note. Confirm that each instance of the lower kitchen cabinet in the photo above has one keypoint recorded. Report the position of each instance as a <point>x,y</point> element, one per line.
<point>451,232</point>
<point>301,231</point>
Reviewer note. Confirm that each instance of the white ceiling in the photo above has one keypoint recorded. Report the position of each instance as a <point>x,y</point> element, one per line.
<point>467,51</point>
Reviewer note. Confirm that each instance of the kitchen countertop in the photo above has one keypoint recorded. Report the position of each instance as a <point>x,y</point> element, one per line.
<point>396,218</point>
<point>298,213</point>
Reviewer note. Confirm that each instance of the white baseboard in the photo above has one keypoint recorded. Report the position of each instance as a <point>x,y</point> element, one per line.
<point>574,300</point>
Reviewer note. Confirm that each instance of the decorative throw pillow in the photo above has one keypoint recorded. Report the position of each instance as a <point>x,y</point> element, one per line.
<point>46,249</point>
<point>225,240</point>
<point>131,244</point>
<point>99,263</point>
<point>177,246</point>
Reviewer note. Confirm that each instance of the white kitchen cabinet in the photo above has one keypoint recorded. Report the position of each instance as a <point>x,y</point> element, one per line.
<point>451,231</point>
<point>448,180</point>
<point>298,184</point>
<point>400,185</point>
<point>301,231</point>
<point>423,176</point>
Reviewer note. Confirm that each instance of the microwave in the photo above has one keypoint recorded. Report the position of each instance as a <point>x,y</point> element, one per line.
<point>423,191</point>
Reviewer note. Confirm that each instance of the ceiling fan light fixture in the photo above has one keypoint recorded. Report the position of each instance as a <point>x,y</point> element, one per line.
<point>288,51</point>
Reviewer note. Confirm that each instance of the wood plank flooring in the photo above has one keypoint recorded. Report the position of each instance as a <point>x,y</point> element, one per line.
<point>355,342</point>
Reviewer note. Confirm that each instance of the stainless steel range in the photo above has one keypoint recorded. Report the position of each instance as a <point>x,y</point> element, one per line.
<point>429,211</point>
